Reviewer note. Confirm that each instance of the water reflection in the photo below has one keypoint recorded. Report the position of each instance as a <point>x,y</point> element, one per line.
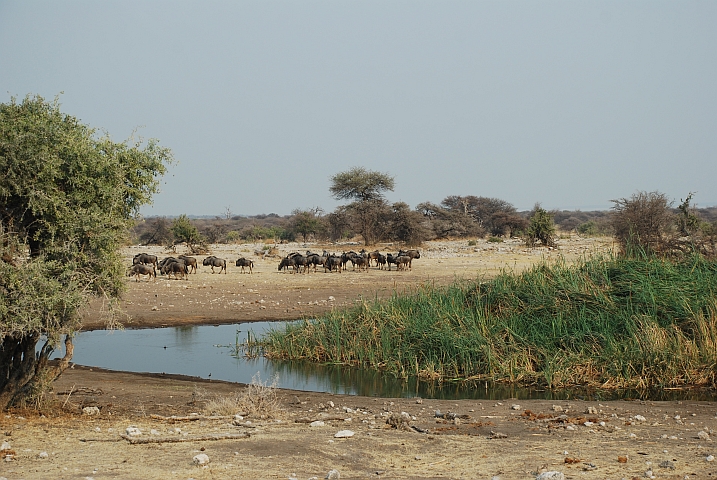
<point>206,352</point>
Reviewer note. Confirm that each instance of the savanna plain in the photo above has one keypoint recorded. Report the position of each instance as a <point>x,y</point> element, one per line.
<point>87,426</point>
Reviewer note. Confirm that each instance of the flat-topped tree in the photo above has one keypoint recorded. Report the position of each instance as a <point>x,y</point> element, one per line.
<point>369,208</point>
<point>67,200</point>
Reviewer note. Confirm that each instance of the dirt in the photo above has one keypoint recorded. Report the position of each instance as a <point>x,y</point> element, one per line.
<point>470,438</point>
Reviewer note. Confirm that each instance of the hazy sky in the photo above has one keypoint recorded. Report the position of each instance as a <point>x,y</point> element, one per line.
<point>567,103</point>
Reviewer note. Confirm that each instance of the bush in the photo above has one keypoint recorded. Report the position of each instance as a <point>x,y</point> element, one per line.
<point>541,228</point>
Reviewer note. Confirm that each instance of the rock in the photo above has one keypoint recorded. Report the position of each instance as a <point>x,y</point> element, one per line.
<point>667,464</point>
<point>330,404</point>
<point>133,431</point>
<point>710,458</point>
<point>515,406</point>
<point>201,459</point>
<point>499,435</point>
<point>317,423</point>
<point>5,446</point>
<point>90,411</point>
<point>702,435</point>
<point>333,475</point>
<point>550,476</point>
<point>640,418</point>
<point>592,411</point>
<point>419,400</point>
<point>557,408</point>
<point>343,434</point>
<point>43,455</point>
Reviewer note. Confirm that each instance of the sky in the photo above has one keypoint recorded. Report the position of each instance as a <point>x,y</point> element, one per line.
<point>568,103</point>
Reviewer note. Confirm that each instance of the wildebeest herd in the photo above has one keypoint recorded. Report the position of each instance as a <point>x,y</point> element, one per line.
<point>181,266</point>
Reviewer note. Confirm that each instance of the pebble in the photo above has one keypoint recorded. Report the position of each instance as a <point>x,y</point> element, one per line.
<point>317,423</point>
<point>515,407</point>
<point>702,435</point>
<point>333,475</point>
<point>343,434</point>
<point>710,458</point>
<point>91,411</point>
<point>592,411</point>
<point>5,446</point>
<point>133,431</point>
<point>201,459</point>
<point>43,455</point>
<point>557,408</point>
<point>640,418</point>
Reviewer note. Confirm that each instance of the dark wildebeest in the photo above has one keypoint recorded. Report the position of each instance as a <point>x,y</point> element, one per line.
<point>286,263</point>
<point>390,259</point>
<point>332,262</point>
<point>191,263</point>
<point>410,254</point>
<point>347,257</point>
<point>178,269</point>
<point>403,261</point>
<point>371,256</point>
<point>243,262</point>
<point>300,262</point>
<point>315,259</point>
<point>216,262</point>
<point>361,262</point>
<point>166,260</point>
<point>381,261</point>
<point>144,258</point>
<point>141,269</point>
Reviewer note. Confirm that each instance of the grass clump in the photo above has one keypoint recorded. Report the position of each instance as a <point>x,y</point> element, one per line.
<point>606,321</point>
<point>257,400</point>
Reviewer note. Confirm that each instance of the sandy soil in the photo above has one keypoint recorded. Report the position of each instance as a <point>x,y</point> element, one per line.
<point>510,438</point>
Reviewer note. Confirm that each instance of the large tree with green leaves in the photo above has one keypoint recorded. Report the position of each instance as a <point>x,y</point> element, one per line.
<point>67,199</point>
<point>369,209</point>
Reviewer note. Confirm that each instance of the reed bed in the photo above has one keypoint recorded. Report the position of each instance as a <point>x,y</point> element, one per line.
<point>607,321</point>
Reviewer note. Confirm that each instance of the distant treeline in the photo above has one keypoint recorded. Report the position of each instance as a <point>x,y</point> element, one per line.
<point>455,217</point>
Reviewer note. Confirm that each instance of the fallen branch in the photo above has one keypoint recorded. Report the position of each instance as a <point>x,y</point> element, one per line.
<point>188,438</point>
<point>192,418</point>
<point>321,419</point>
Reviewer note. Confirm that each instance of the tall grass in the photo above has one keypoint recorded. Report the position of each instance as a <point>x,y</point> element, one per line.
<point>606,321</point>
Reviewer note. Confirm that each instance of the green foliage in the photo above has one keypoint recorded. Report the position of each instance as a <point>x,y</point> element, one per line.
<point>67,200</point>
<point>495,240</point>
<point>306,222</point>
<point>588,228</point>
<point>360,184</point>
<point>541,228</point>
<point>184,231</point>
<point>606,321</point>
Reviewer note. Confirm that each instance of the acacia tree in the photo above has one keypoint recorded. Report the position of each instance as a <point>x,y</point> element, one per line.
<point>184,231</point>
<point>306,222</point>
<point>369,208</point>
<point>67,200</point>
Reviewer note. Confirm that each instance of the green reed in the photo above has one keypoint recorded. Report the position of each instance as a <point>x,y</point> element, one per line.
<point>605,321</point>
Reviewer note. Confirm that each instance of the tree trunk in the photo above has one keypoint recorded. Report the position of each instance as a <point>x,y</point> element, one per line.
<point>23,371</point>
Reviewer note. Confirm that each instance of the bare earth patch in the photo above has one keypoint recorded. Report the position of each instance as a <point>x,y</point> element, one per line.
<point>470,439</point>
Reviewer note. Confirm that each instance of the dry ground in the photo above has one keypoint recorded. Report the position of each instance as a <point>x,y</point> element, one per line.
<point>579,438</point>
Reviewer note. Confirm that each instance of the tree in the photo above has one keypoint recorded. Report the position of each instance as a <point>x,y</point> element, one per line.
<point>157,232</point>
<point>369,208</point>
<point>67,200</point>
<point>541,228</point>
<point>407,225</point>
<point>644,221</point>
<point>493,214</point>
<point>306,222</point>
<point>185,231</point>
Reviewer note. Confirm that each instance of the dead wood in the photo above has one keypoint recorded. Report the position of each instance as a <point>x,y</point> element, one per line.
<point>188,438</point>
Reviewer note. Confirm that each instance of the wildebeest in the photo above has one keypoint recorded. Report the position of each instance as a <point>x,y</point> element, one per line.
<point>332,262</point>
<point>216,262</point>
<point>286,263</point>
<point>391,259</point>
<point>403,261</point>
<point>191,263</point>
<point>411,254</point>
<point>177,268</point>
<point>315,259</point>
<point>141,269</point>
<point>243,262</point>
<point>166,260</point>
<point>361,262</point>
<point>381,261</point>
<point>144,258</point>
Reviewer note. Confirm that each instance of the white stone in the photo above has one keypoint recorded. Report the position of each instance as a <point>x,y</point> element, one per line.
<point>702,435</point>
<point>550,476</point>
<point>5,446</point>
<point>333,475</point>
<point>515,406</point>
<point>133,431</point>
<point>91,411</point>
<point>344,434</point>
<point>317,423</point>
<point>640,418</point>
<point>710,458</point>
<point>201,459</point>
<point>43,455</point>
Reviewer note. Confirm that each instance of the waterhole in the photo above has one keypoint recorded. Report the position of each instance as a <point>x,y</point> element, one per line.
<point>208,352</point>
